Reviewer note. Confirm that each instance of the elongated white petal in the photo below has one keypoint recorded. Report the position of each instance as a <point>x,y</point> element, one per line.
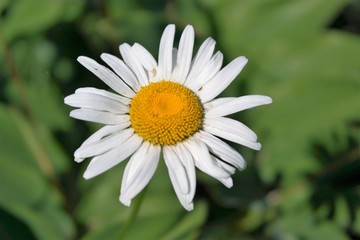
<point>184,55</point>
<point>133,166</point>
<point>176,183</point>
<point>103,145</point>
<point>235,105</point>
<point>131,60</point>
<point>165,53</point>
<point>139,171</point>
<point>104,162</point>
<point>177,169</point>
<point>207,73</point>
<point>96,102</point>
<point>222,150</point>
<point>228,182</point>
<point>189,206</point>
<point>230,125</point>
<point>222,79</point>
<point>207,163</point>
<point>201,59</point>
<point>102,133</point>
<point>121,69</point>
<point>188,162</point>
<point>145,58</point>
<point>99,117</point>
<point>217,103</point>
<point>203,160</point>
<point>106,76</point>
<point>203,55</point>
<point>228,134</point>
<point>101,92</point>
<point>225,166</point>
<point>178,178</point>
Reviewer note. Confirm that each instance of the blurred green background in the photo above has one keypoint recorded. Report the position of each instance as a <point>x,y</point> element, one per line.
<point>303,184</point>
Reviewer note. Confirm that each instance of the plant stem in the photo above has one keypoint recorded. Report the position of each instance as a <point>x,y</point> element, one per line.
<point>133,214</point>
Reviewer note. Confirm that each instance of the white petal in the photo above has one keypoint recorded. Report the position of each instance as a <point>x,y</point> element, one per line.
<point>96,102</point>
<point>226,166</point>
<point>235,105</point>
<point>178,177</point>
<point>104,144</point>
<point>165,52</point>
<point>133,166</point>
<point>104,132</point>
<point>184,55</point>
<point>230,125</point>
<point>222,150</point>
<point>121,69</point>
<point>101,133</point>
<point>177,169</point>
<point>207,73</point>
<point>104,162</point>
<point>188,205</point>
<point>99,117</point>
<point>228,182</point>
<point>201,59</point>
<point>203,159</point>
<point>188,162</point>
<point>133,62</point>
<point>227,132</point>
<point>145,58</point>
<point>217,103</point>
<point>139,171</point>
<point>106,76</point>
<point>101,92</point>
<point>222,79</point>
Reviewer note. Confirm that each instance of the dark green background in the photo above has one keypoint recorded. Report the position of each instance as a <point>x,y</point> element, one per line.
<point>303,184</point>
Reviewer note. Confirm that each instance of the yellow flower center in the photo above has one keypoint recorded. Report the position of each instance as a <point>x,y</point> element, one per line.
<point>165,113</point>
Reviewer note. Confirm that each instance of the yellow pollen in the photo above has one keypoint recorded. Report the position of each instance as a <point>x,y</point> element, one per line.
<point>165,113</point>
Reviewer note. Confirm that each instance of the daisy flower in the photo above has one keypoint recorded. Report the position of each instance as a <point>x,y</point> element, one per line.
<point>165,107</point>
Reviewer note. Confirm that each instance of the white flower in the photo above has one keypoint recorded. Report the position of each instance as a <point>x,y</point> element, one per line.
<point>165,107</point>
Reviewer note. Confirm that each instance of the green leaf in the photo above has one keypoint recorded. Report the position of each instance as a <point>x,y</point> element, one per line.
<point>301,223</point>
<point>25,180</point>
<point>47,153</point>
<point>20,184</point>
<point>342,214</point>
<point>311,74</point>
<point>23,17</point>
<point>13,228</point>
<point>310,113</point>
<point>39,90</point>
<point>194,13</point>
<point>188,226</point>
<point>262,30</point>
<point>4,4</point>
<point>46,223</point>
<point>356,224</point>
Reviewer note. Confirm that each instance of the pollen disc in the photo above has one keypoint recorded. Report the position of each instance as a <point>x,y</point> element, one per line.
<point>165,113</point>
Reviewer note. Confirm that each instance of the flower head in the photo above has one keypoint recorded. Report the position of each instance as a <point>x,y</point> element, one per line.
<point>166,107</point>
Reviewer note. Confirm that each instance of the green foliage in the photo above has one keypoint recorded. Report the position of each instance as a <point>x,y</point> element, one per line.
<point>26,178</point>
<point>303,184</point>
